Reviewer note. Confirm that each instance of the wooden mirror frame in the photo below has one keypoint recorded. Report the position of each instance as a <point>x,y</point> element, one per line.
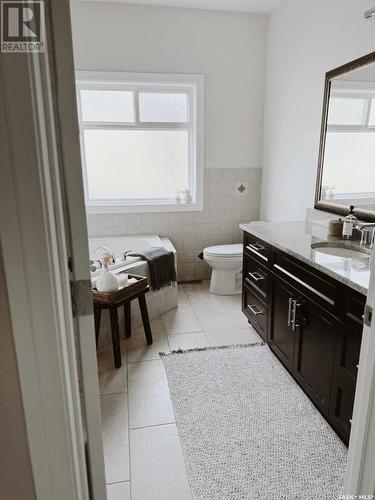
<point>366,215</point>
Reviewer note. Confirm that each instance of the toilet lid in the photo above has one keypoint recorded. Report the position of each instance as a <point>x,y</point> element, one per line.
<point>235,250</point>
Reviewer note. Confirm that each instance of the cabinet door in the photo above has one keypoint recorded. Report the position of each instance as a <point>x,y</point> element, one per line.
<point>348,344</point>
<point>341,410</point>
<point>314,352</point>
<point>281,339</point>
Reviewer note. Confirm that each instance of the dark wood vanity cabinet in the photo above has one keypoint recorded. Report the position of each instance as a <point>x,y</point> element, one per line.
<point>312,323</point>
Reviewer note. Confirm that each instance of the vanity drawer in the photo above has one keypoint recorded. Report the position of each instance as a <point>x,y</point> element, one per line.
<point>256,311</point>
<point>312,282</point>
<point>257,277</point>
<point>256,248</point>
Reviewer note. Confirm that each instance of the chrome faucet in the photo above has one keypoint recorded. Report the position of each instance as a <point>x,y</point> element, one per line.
<point>368,233</point>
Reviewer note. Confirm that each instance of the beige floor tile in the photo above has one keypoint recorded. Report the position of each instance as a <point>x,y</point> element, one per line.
<point>115,437</point>
<point>137,348</point>
<point>181,320</point>
<point>181,294</point>
<point>149,400</point>
<point>203,286</point>
<point>205,302</point>
<point>187,340</point>
<point>118,491</point>
<point>111,379</point>
<point>157,464</point>
<point>232,336</point>
<point>226,321</point>
<point>231,303</point>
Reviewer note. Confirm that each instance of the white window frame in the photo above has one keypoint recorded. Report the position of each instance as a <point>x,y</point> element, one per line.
<point>193,85</point>
<point>355,90</point>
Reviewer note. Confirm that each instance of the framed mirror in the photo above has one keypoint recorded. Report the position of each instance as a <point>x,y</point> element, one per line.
<point>346,165</point>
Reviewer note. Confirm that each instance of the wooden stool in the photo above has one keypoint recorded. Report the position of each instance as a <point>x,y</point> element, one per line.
<point>112,301</point>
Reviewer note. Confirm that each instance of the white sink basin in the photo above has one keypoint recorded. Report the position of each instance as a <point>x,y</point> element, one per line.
<point>338,251</point>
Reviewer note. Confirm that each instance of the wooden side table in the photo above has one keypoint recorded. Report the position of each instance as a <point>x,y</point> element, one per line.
<point>112,301</point>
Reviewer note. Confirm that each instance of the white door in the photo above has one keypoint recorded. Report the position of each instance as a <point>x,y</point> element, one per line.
<point>360,477</point>
<point>43,226</point>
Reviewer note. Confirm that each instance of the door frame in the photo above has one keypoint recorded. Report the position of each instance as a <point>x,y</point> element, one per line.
<point>43,223</point>
<point>35,206</point>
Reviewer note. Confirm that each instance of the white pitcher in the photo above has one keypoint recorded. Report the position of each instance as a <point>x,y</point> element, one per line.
<point>106,281</point>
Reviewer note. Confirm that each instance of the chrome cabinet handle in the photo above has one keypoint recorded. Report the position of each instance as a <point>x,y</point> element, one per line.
<point>289,310</point>
<point>293,321</point>
<point>350,421</point>
<point>255,309</point>
<point>293,315</point>
<point>257,276</point>
<point>257,247</point>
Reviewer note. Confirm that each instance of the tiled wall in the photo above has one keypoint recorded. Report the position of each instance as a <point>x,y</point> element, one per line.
<point>224,208</point>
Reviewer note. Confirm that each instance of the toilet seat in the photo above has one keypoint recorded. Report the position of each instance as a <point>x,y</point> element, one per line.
<point>233,251</point>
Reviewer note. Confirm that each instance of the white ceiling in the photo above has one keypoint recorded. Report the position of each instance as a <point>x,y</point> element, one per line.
<point>264,6</point>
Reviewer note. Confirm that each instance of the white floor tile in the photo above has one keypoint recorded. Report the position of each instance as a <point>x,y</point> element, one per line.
<point>137,348</point>
<point>157,464</point>
<point>118,491</point>
<point>181,320</point>
<point>111,379</point>
<point>115,437</point>
<point>187,340</point>
<point>149,400</point>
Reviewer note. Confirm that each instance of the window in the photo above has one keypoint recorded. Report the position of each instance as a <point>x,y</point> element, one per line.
<point>141,141</point>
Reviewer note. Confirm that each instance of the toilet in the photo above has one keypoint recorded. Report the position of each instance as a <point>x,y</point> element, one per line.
<point>226,264</point>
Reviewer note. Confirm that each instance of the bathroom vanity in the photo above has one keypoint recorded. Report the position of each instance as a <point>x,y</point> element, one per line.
<point>306,300</point>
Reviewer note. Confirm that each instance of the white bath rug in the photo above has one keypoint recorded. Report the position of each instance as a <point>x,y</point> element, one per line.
<point>247,429</point>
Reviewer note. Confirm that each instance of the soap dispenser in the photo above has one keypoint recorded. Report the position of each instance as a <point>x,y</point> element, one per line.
<point>350,223</point>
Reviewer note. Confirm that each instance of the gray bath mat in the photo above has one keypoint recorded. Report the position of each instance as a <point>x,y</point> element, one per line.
<point>248,431</point>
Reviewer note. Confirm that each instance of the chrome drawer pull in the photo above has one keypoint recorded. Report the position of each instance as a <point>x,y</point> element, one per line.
<point>287,273</point>
<point>257,247</point>
<point>255,309</point>
<point>254,250</point>
<point>350,421</point>
<point>257,276</point>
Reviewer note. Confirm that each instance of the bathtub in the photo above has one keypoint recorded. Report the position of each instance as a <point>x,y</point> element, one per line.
<point>158,302</point>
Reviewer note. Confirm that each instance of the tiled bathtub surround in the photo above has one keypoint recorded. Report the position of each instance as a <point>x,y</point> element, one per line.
<point>224,209</point>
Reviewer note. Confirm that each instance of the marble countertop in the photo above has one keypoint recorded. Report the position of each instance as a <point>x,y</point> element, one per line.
<point>296,238</point>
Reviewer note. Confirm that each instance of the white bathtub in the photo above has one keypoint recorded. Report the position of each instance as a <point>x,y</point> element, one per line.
<point>119,245</point>
<point>158,302</point>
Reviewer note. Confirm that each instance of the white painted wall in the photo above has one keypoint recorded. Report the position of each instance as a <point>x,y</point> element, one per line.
<point>306,39</point>
<point>229,48</point>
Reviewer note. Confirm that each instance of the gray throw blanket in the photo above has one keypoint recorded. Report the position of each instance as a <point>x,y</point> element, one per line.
<point>161,264</point>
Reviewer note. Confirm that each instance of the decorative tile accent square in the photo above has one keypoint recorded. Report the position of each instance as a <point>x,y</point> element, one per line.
<point>241,188</point>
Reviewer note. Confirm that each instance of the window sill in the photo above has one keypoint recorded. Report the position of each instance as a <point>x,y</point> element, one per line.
<point>109,208</point>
